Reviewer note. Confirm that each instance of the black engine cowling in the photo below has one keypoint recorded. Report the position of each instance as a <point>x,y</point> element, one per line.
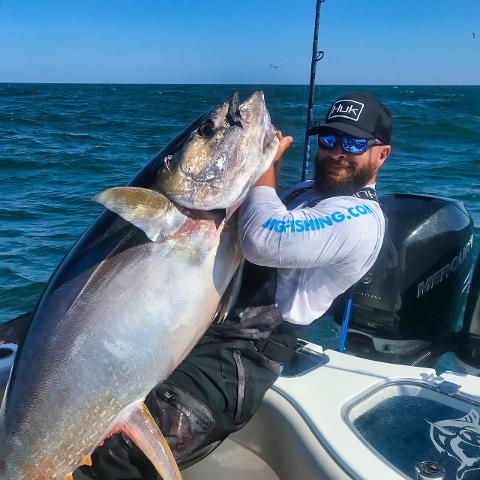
<point>414,295</point>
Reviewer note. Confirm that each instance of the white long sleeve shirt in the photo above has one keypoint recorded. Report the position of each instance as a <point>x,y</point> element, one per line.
<point>320,247</point>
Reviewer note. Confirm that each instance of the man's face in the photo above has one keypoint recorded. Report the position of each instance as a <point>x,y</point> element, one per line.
<point>340,173</point>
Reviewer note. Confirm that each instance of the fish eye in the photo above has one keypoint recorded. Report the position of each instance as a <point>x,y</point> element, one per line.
<point>206,129</point>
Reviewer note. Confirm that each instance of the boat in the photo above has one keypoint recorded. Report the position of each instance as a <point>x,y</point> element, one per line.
<point>378,410</point>
<point>381,411</point>
<point>353,418</point>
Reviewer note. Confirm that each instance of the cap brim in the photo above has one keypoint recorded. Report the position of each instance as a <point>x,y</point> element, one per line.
<point>339,127</point>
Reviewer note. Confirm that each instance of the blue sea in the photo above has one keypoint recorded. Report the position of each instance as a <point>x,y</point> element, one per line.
<point>62,144</point>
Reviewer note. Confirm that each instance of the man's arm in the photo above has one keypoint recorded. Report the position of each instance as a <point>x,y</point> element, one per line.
<point>339,230</point>
<point>273,236</point>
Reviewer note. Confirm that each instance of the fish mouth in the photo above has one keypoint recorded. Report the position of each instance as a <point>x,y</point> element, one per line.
<point>257,112</point>
<point>226,151</point>
<point>252,111</point>
<point>210,178</point>
<point>254,106</point>
<point>256,97</point>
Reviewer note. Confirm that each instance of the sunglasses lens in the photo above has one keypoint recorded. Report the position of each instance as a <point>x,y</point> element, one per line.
<point>327,141</point>
<point>351,145</point>
<point>354,145</point>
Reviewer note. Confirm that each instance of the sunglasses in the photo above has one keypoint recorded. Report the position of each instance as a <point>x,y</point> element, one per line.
<point>351,145</point>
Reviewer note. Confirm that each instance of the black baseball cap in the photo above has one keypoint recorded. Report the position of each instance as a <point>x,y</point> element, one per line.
<point>358,114</point>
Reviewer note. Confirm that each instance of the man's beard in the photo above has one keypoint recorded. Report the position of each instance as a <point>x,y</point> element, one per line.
<point>342,182</point>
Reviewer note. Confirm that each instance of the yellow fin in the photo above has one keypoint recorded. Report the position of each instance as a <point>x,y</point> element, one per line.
<point>140,426</point>
<point>86,461</point>
<point>147,209</point>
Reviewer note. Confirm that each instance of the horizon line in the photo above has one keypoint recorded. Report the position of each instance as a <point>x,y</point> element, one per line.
<point>250,84</point>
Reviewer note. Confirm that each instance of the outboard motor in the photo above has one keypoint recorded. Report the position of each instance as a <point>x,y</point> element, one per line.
<point>468,350</point>
<point>408,308</point>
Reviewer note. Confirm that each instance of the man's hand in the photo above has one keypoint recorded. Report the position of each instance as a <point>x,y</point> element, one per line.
<point>282,146</point>
<point>268,179</point>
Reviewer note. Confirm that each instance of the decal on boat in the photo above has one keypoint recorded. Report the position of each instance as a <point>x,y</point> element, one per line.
<point>440,275</point>
<point>460,439</point>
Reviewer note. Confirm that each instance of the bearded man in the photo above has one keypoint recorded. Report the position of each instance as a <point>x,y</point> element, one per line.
<point>327,233</point>
<point>302,253</point>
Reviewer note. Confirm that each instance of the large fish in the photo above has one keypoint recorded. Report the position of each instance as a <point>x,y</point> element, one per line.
<point>132,297</point>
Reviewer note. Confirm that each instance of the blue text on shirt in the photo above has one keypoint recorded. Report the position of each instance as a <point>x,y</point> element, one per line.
<point>318,223</point>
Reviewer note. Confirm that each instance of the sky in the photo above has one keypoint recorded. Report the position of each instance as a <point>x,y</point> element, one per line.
<point>366,42</point>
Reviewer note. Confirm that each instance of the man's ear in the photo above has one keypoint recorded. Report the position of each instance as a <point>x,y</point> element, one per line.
<point>384,153</point>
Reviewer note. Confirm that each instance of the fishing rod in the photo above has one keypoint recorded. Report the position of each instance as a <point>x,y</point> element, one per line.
<point>316,57</point>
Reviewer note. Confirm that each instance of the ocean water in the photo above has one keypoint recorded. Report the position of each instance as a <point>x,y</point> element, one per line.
<point>61,144</point>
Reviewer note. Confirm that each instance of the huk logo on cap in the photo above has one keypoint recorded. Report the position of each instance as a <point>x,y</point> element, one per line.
<point>346,109</point>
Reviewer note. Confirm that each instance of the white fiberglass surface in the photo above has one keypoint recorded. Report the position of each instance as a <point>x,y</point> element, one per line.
<point>406,423</point>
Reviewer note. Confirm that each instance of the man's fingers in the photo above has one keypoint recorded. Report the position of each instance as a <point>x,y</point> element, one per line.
<point>287,140</point>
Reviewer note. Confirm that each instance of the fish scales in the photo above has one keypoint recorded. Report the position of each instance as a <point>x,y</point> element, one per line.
<point>134,295</point>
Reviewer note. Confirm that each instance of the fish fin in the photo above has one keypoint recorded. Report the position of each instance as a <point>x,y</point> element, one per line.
<point>86,461</point>
<point>231,215</point>
<point>229,212</point>
<point>147,209</point>
<point>141,428</point>
<point>230,296</point>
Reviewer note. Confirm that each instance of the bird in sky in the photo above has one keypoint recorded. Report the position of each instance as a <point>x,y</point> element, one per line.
<point>275,66</point>
<point>474,35</point>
